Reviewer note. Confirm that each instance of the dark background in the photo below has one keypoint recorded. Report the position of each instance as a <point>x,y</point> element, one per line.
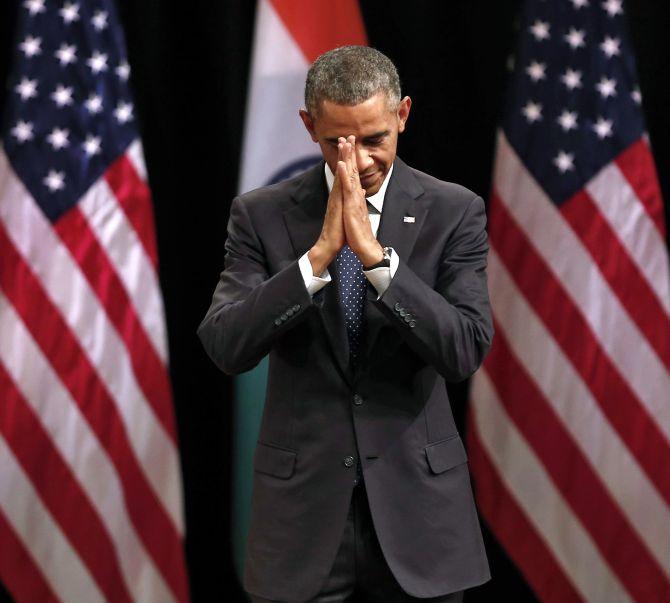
<point>190,65</point>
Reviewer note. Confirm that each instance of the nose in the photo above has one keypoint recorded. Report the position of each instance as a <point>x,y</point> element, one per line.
<point>363,159</point>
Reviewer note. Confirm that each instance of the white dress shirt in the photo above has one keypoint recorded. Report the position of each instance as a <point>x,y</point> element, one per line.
<point>379,277</point>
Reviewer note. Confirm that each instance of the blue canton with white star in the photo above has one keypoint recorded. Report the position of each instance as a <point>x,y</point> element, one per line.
<point>70,112</point>
<point>573,102</point>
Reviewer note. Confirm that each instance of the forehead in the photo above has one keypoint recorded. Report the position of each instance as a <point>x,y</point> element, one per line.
<point>369,116</point>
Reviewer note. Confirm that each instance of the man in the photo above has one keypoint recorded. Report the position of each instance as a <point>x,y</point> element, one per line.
<point>361,487</point>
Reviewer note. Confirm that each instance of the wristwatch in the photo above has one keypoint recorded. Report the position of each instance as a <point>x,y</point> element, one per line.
<point>385,262</point>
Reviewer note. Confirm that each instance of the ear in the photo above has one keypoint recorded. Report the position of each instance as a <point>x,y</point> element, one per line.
<point>403,112</point>
<point>309,124</point>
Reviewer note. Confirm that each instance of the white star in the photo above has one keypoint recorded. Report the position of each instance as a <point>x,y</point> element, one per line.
<point>636,95</point>
<point>532,111</point>
<point>26,88</point>
<point>54,180</point>
<point>572,79</point>
<point>34,6</point>
<point>93,104</point>
<point>123,70</point>
<point>575,37</point>
<point>66,54</point>
<point>23,131</point>
<point>580,3</point>
<point>603,127</point>
<point>536,71</point>
<point>613,7</point>
<point>31,46</point>
<point>567,120</point>
<point>564,161</point>
<point>62,95</point>
<point>99,20</point>
<point>58,139</point>
<point>540,30</point>
<point>123,112</point>
<point>97,62</point>
<point>92,145</point>
<point>606,87</point>
<point>610,46</point>
<point>70,12</point>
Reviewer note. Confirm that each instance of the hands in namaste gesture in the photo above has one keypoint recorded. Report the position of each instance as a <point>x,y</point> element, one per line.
<point>346,219</point>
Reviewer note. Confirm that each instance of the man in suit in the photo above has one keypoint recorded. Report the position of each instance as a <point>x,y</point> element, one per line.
<point>364,280</point>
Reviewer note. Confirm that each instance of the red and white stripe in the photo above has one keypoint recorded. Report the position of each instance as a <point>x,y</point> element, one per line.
<point>570,424</point>
<point>93,496</point>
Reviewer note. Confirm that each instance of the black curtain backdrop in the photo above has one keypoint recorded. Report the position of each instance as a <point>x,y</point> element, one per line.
<point>190,65</point>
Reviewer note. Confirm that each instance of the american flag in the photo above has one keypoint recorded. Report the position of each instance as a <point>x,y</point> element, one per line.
<point>90,486</point>
<point>569,430</point>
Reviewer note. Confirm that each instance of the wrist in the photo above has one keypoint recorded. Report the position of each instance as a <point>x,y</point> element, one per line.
<point>319,257</point>
<point>374,256</point>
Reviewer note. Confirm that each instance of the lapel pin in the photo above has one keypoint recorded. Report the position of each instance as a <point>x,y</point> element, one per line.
<point>408,219</point>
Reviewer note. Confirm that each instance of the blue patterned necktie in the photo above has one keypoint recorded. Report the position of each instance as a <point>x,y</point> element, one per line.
<point>352,284</point>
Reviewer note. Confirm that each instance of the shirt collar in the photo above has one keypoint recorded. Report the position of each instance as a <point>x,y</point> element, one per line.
<point>376,200</point>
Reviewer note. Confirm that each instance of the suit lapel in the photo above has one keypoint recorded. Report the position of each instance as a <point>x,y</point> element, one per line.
<point>402,218</point>
<point>304,221</point>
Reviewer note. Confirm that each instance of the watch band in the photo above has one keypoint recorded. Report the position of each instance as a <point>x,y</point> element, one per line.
<point>385,262</point>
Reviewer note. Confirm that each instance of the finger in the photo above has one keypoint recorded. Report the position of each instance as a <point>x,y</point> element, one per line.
<point>353,162</point>
<point>343,176</point>
<point>341,142</point>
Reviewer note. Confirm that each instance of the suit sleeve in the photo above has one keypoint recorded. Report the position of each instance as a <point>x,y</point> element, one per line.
<point>450,325</point>
<point>250,310</point>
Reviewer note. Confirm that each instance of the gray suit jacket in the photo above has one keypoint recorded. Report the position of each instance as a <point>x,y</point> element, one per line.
<point>432,324</point>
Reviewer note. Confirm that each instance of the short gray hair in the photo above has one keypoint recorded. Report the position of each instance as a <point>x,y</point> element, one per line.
<point>349,75</point>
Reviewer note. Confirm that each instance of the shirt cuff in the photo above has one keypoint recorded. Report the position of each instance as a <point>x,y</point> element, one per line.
<point>312,283</point>
<point>381,277</point>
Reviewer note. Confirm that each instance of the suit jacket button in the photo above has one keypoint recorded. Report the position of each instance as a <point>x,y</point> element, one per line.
<point>296,307</point>
<point>412,323</point>
<point>278,321</point>
<point>408,318</point>
<point>402,311</point>
<point>397,307</point>
<point>290,312</point>
<point>358,400</point>
<point>348,461</point>
<point>284,316</point>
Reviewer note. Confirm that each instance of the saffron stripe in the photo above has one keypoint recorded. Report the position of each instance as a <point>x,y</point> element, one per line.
<point>59,490</point>
<point>46,325</point>
<point>319,25</point>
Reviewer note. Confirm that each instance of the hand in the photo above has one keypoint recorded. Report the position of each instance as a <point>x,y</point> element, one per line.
<point>357,227</point>
<point>332,237</point>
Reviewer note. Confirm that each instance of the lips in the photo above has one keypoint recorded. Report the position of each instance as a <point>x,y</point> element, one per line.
<point>367,177</point>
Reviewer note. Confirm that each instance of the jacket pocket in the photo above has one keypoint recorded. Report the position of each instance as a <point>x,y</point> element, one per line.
<point>446,454</point>
<point>274,460</point>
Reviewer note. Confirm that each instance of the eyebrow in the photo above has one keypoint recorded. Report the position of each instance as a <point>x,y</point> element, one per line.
<point>333,140</point>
